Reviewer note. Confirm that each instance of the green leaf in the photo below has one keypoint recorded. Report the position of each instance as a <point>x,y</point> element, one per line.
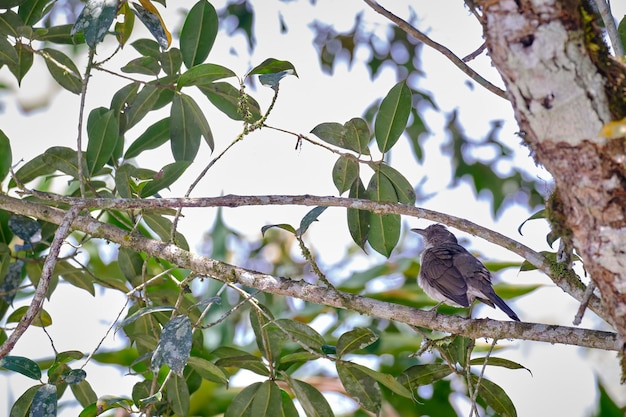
<point>42,319</point>
<point>384,231</point>
<point>403,188</point>
<point>245,361</point>
<point>345,172</point>
<point>283,226</point>
<point>123,181</point>
<point>35,168</point>
<point>607,407</point>
<point>24,62</point>
<point>154,136</point>
<point>242,403</point>
<point>541,214</point>
<point>63,70</point>
<point>31,11</point>
<point>166,177</point>
<point>84,393</point>
<point>392,116</point>
<point>273,66</point>
<point>143,311</point>
<point>21,407</point>
<point>22,366</point>
<point>61,34</point>
<point>79,278</point>
<point>95,20</point>
<point>142,104</point>
<point>505,363</point>
<point>362,387</point>
<point>147,47</point>
<point>6,158</point>
<point>267,400</point>
<point>63,159</point>
<point>146,65</point>
<point>426,374</point>
<point>312,401</point>
<point>124,25</point>
<point>162,227</point>
<point>130,263</point>
<point>384,379</point>
<point>74,376</point>
<point>171,61</point>
<point>356,339</point>
<point>353,135</point>
<point>8,54</point>
<point>44,402</point>
<point>302,332</point>
<point>358,220</point>
<point>621,30</point>
<point>495,397</point>
<point>9,23</point>
<point>187,125</point>
<point>227,99</point>
<point>208,370</point>
<point>174,346</point>
<point>178,395</point>
<point>103,133</point>
<point>198,33</point>
<point>269,339</point>
<point>309,218</point>
<point>288,407</point>
<point>204,74</point>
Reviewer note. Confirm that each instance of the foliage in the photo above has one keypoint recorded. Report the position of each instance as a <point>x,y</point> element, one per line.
<point>177,342</point>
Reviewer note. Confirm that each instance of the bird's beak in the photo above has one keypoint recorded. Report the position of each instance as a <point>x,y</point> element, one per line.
<point>419,231</point>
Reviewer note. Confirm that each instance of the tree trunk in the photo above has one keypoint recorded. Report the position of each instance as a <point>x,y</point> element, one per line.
<point>564,88</point>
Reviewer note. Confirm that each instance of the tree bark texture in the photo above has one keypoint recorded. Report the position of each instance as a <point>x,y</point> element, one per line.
<point>564,87</point>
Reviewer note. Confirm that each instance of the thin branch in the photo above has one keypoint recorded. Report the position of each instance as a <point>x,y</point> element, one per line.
<point>474,328</point>
<point>413,31</point>
<point>64,222</point>
<point>568,283</point>
<point>81,117</point>
<point>604,8</point>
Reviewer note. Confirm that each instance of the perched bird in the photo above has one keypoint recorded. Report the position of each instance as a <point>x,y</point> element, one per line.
<point>452,275</point>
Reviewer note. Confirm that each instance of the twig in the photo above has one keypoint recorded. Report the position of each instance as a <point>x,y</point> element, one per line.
<point>411,30</point>
<point>44,282</point>
<point>474,328</point>
<point>604,8</point>
<point>584,303</point>
<point>81,117</point>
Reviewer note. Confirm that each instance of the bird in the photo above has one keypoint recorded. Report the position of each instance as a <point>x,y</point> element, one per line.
<point>452,275</point>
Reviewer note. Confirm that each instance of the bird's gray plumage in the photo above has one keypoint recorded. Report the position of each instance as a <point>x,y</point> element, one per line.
<point>450,274</point>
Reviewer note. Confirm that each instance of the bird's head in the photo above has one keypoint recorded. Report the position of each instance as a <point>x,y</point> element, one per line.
<point>436,234</point>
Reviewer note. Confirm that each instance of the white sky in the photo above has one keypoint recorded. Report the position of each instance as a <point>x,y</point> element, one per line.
<point>266,163</point>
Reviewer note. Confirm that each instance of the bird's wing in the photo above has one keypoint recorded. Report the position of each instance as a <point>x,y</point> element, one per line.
<point>443,276</point>
<point>478,277</point>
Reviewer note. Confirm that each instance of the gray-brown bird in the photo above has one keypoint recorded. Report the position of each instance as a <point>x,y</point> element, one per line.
<point>452,275</point>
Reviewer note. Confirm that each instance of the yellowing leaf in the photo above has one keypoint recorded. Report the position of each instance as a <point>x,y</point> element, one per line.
<point>615,129</point>
<point>150,17</point>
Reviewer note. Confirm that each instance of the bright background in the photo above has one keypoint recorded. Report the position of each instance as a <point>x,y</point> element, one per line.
<point>563,378</point>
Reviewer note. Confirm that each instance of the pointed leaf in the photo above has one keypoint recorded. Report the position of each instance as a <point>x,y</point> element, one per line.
<point>152,20</point>
<point>311,400</point>
<point>9,23</point>
<point>385,379</point>
<point>267,400</point>
<point>8,54</point>
<point>21,365</point>
<point>309,218</point>
<point>495,397</point>
<point>95,20</point>
<point>142,104</point>
<point>130,263</point>
<point>154,136</point>
<point>45,402</point>
<point>283,226</point>
<point>102,131</point>
<point>404,190</point>
<point>358,220</point>
<point>63,70</point>
<point>145,65</point>
<point>21,407</point>
<point>174,346</point>
<point>84,393</point>
<point>42,319</point>
<point>198,33</point>
<point>362,387</point>
<point>357,135</point>
<point>24,62</point>
<point>492,361</point>
<point>392,116</point>
<point>246,361</point>
<point>288,407</point>
<point>424,374</point>
<point>356,339</point>
<point>227,99</point>
<point>63,159</point>
<point>242,403</point>
<point>273,66</point>
<point>147,47</point>
<point>171,61</point>
<point>384,231</point>
<point>166,177</point>
<point>178,395</point>
<point>203,74</point>
<point>185,127</point>
<point>31,170</point>
<point>345,172</point>
<point>5,155</point>
<point>208,370</point>
<point>79,278</point>
<point>269,339</point>
<point>303,333</point>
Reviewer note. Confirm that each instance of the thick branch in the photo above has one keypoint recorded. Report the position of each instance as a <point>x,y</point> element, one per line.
<point>316,294</point>
<point>65,221</point>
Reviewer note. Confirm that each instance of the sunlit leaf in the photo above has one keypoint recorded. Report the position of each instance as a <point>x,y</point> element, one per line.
<point>392,116</point>
<point>198,33</point>
<point>174,346</point>
<point>42,319</point>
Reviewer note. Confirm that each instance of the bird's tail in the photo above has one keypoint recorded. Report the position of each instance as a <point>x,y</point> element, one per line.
<point>503,306</point>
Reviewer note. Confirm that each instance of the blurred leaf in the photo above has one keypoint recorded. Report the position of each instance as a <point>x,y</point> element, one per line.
<point>162,226</point>
<point>166,177</point>
<point>302,332</point>
<point>102,132</point>
<point>61,34</point>
<point>362,387</point>
<point>130,263</point>
<point>63,70</point>
<point>95,20</point>
<point>84,393</point>
<point>42,319</point>
<point>204,74</point>
<point>198,33</point>
<point>495,397</point>
<point>22,366</point>
<point>273,66</point>
<point>5,155</point>
<point>345,172</point>
<point>10,22</point>
<point>493,361</point>
<point>227,99</point>
<point>178,395</point>
<point>267,400</point>
<point>25,228</point>
<point>358,220</point>
<point>621,30</point>
<point>155,135</point>
<point>8,54</point>
<point>269,339</point>
<point>353,340</point>
<point>309,218</point>
<point>208,370</point>
<point>75,376</point>
<point>312,401</point>
<point>79,278</point>
<point>392,116</point>
<point>174,346</point>
<point>606,405</point>
<point>63,159</point>
<point>150,17</point>
<point>241,405</point>
<point>426,374</point>
<point>12,280</point>
<point>142,312</point>
<point>273,80</point>
<point>44,402</point>
<point>541,214</point>
<point>31,170</point>
<point>283,226</point>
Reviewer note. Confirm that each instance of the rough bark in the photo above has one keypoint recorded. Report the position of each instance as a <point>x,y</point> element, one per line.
<point>563,87</point>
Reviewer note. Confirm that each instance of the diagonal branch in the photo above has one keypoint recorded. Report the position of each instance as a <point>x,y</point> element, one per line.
<point>65,221</point>
<point>321,295</point>
<point>413,31</point>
